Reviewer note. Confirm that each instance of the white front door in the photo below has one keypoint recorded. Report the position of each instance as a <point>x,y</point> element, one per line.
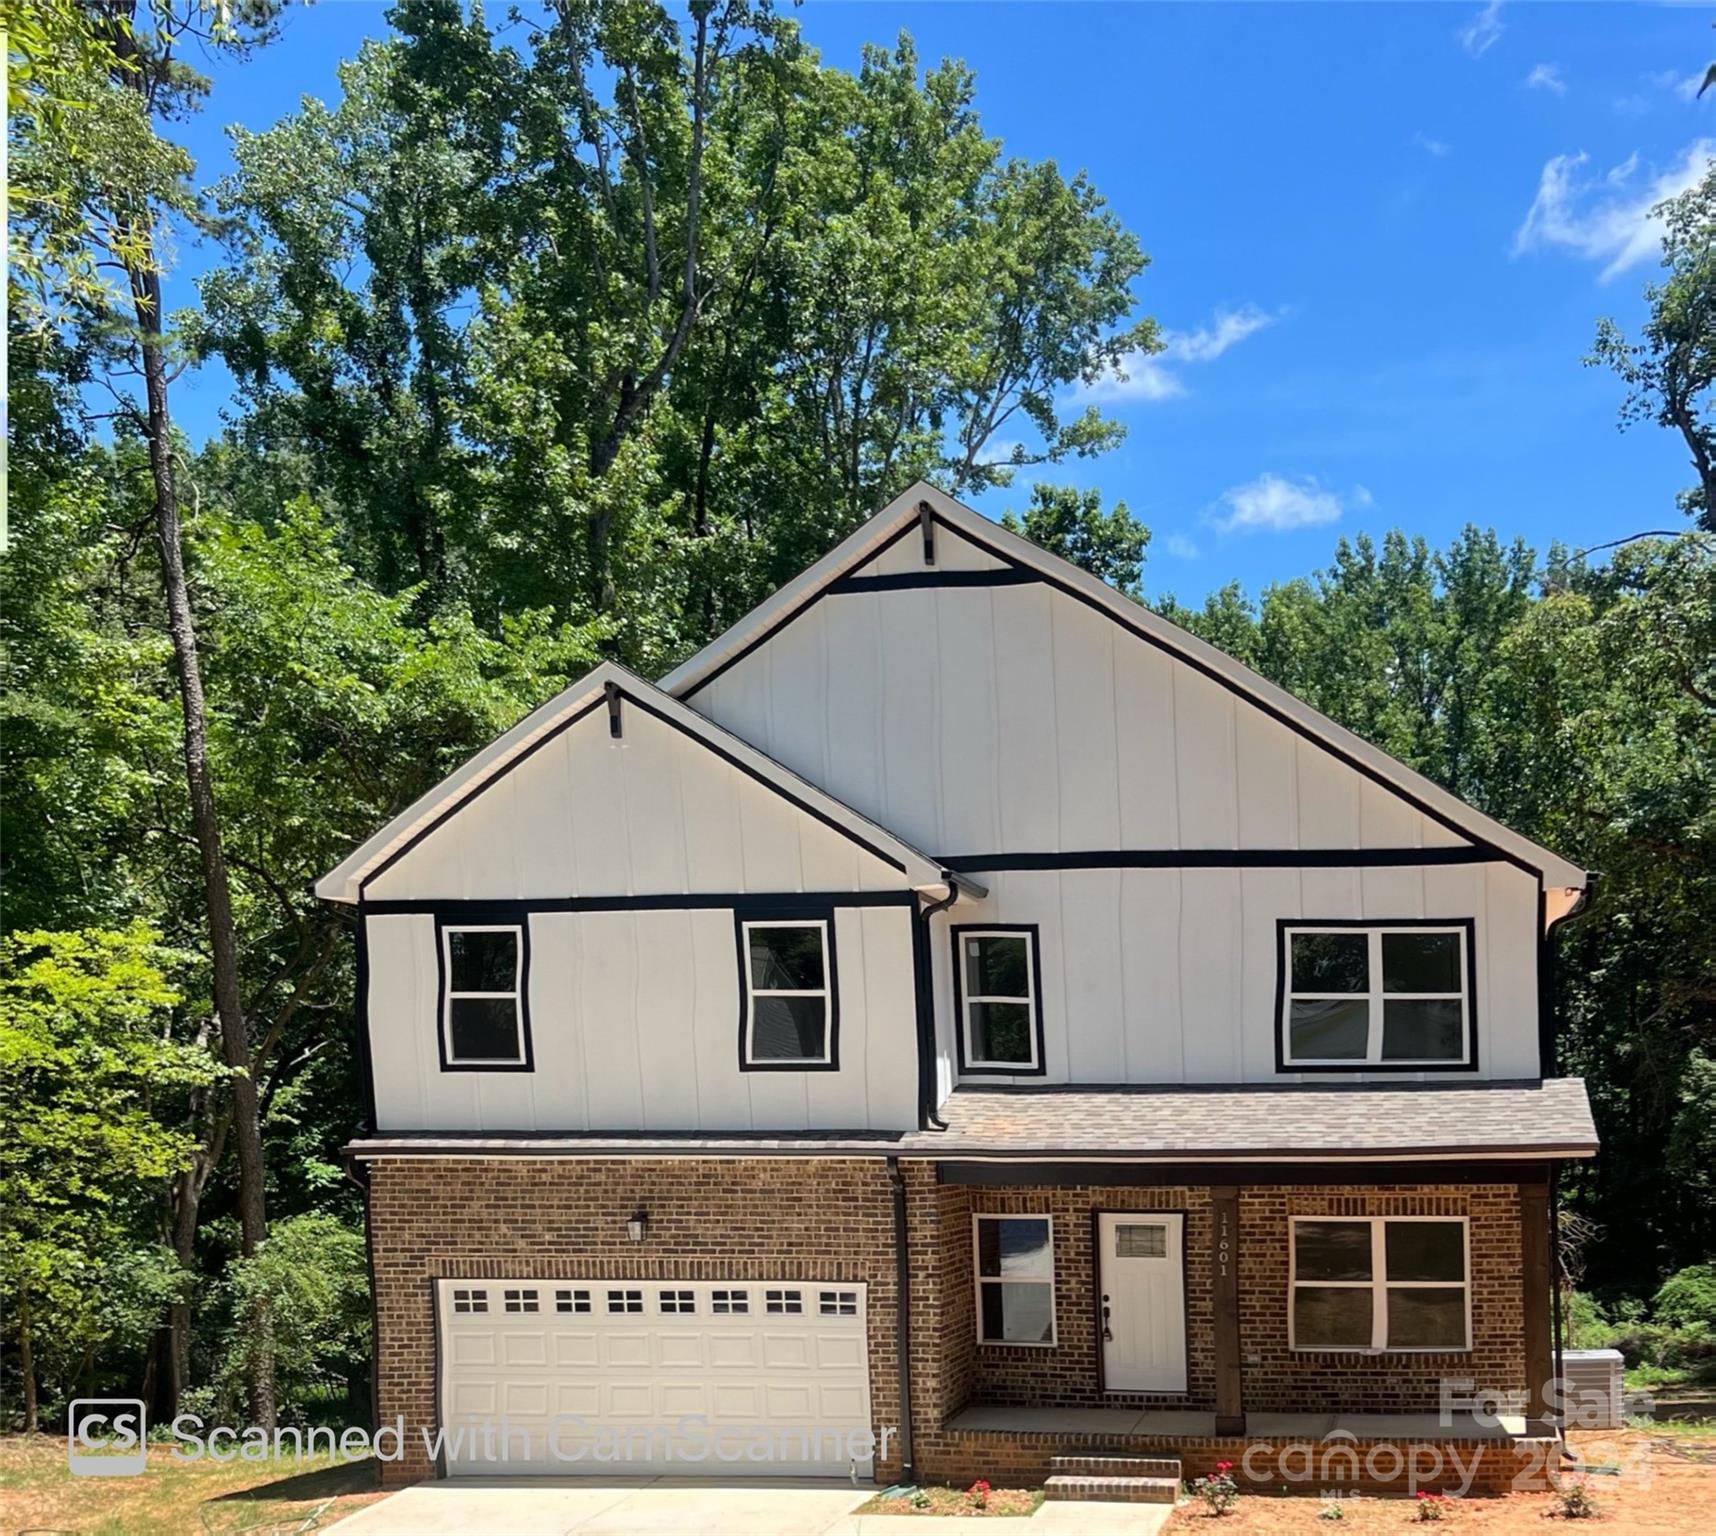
<point>734,1378</point>
<point>1141,1272</point>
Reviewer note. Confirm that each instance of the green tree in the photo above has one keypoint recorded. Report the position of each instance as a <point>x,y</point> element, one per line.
<point>1669,370</point>
<point>1071,523</point>
<point>93,1066</point>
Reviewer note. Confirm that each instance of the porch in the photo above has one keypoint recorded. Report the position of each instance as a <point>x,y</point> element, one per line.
<point>1305,1452</point>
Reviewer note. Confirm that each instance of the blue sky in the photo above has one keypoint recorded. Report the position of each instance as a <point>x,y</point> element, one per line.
<point>1381,238</point>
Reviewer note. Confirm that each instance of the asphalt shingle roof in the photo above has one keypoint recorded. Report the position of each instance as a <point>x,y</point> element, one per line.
<point>1273,1121</point>
<point>1530,1119</point>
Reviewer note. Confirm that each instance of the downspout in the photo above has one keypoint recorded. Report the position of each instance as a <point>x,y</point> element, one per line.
<point>902,1320</point>
<point>1560,1349</point>
<point>927,1117</point>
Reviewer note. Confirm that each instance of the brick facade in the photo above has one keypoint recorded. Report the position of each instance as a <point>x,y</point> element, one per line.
<point>710,1219</point>
<point>833,1219</point>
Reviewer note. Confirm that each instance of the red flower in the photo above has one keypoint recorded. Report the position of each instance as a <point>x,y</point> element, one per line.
<point>1224,1466</point>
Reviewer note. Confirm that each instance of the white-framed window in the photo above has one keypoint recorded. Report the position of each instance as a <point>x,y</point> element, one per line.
<point>789,993</point>
<point>1014,1260</point>
<point>483,1022</point>
<point>784,1303</point>
<point>1376,995</point>
<point>1367,1284</point>
<point>519,1301</point>
<point>1000,1013</point>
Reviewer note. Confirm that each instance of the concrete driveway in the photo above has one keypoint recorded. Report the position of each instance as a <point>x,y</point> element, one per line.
<point>612,1506</point>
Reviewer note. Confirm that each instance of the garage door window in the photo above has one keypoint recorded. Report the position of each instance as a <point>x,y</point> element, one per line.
<point>677,1302</point>
<point>734,1303</point>
<point>470,1301</point>
<point>571,1301</point>
<point>784,1303</point>
<point>625,1301</point>
<point>521,1301</point>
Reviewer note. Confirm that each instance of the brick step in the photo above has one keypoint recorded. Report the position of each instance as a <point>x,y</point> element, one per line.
<point>1112,1490</point>
<point>1100,1465</point>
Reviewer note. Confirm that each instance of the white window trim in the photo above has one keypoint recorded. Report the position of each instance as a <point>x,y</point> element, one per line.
<point>1379,1285</point>
<point>973,1062</point>
<point>979,1280</point>
<point>753,992</point>
<point>449,994</point>
<point>1375,997</point>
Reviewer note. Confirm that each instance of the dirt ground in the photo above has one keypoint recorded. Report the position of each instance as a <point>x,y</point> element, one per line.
<point>1642,1480</point>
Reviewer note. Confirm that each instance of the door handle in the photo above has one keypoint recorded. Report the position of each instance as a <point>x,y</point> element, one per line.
<point>1107,1332</point>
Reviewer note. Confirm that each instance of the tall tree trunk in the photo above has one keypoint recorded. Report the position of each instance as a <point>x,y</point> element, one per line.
<point>27,1365</point>
<point>217,894</point>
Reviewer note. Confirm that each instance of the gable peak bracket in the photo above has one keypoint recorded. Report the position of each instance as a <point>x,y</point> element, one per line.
<point>926,526</point>
<point>612,690</point>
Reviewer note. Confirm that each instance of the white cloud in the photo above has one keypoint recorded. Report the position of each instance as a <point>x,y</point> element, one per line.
<point>1278,504</point>
<point>1181,547</point>
<point>1607,218</point>
<point>1546,77</point>
<point>1481,33</point>
<point>1430,146</point>
<point>1148,376</point>
<point>1683,86</point>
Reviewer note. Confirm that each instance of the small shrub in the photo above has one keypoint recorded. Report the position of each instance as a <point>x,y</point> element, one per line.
<point>1218,1491</point>
<point>1573,1501</point>
<point>919,1498</point>
<point>1332,1511</point>
<point>1432,1506</point>
<point>977,1495</point>
<point>1687,1300</point>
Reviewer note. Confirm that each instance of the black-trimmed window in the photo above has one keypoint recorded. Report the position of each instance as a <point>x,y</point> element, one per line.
<point>1371,1283</point>
<point>787,965</point>
<point>998,998</point>
<point>1015,1263</point>
<point>1388,995</point>
<point>484,1021</point>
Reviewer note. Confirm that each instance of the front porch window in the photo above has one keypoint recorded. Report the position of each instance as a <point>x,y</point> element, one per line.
<point>1380,1283</point>
<point>1015,1261</point>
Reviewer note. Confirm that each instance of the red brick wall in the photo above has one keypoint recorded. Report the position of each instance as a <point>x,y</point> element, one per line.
<point>755,1220</point>
<point>1279,1380</point>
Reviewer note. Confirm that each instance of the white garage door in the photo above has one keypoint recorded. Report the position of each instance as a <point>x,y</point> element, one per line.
<point>708,1378</point>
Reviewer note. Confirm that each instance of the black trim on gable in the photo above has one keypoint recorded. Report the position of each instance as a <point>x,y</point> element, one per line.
<point>788,903</point>
<point>1219,858</point>
<point>1282,924</point>
<point>785,794</point>
<point>481,917</point>
<point>906,581</point>
<point>1138,632</point>
<point>360,1012</point>
<point>955,932</point>
<point>787,914</point>
<point>612,694</point>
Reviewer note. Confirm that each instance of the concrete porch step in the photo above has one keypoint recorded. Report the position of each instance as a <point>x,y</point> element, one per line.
<point>1110,1465</point>
<point>1111,1490</point>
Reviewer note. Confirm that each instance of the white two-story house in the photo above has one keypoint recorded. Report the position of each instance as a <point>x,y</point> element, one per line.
<point>956,1024</point>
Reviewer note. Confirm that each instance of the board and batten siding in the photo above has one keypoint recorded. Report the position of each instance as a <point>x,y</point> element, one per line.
<point>1169,975</point>
<point>653,813</point>
<point>977,720</point>
<point>634,1020</point>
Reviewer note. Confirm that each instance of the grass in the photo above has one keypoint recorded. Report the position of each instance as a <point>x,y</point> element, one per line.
<point>955,1501</point>
<point>176,1498</point>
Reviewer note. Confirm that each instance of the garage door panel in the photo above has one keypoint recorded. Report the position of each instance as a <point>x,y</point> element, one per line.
<point>576,1351</point>
<point>682,1351</point>
<point>785,1351</point>
<point>524,1349</point>
<point>525,1399</point>
<point>554,1367</point>
<point>626,1351</point>
<point>737,1351</point>
<point>473,1348</point>
<point>838,1351</point>
<point>733,1401</point>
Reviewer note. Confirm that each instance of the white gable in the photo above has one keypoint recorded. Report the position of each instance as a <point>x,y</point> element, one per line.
<point>654,813</point>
